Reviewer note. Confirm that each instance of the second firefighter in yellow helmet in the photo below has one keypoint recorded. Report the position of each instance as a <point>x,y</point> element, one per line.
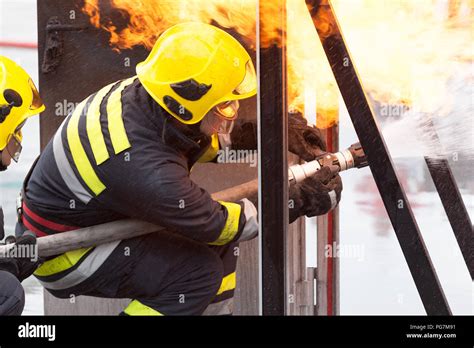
<point>195,67</point>
<point>19,100</point>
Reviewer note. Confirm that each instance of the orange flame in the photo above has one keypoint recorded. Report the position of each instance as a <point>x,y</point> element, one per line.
<point>149,18</point>
<point>406,51</point>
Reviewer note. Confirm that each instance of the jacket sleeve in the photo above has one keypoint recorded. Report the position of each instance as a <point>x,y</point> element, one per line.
<point>166,196</point>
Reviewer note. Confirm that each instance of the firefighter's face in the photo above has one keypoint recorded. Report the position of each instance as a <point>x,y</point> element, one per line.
<point>220,120</point>
<point>12,151</point>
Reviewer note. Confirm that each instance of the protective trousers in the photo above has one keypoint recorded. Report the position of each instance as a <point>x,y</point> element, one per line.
<point>163,273</point>
<point>12,295</point>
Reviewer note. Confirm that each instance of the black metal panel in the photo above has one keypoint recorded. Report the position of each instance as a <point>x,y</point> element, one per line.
<point>84,59</point>
<point>451,199</point>
<point>454,207</point>
<point>393,195</point>
<point>273,173</point>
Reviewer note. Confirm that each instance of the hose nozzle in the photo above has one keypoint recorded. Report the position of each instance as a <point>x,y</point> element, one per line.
<point>352,157</point>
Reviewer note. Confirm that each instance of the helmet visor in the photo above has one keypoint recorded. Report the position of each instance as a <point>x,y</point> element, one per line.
<point>249,83</point>
<point>221,119</point>
<point>14,147</point>
<point>37,101</point>
<point>228,110</point>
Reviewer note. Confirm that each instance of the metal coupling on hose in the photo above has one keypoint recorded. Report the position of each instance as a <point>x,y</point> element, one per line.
<point>353,157</point>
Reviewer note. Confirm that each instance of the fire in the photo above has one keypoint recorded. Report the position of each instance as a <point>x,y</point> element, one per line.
<point>406,51</point>
<point>149,18</point>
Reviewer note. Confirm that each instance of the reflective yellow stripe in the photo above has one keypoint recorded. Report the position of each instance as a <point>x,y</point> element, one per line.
<point>231,225</point>
<point>61,263</point>
<point>118,135</point>
<point>137,308</point>
<point>94,129</point>
<point>79,154</point>
<point>211,152</point>
<point>228,283</point>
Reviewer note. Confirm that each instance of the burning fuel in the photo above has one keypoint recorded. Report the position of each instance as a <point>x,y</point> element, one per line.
<point>406,51</point>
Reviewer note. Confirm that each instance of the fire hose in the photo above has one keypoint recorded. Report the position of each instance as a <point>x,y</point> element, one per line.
<point>353,157</point>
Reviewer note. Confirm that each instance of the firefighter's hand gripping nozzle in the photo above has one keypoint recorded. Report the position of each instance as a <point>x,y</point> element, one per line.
<point>353,157</point>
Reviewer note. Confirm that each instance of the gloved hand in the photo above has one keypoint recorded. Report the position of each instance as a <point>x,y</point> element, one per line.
<point>21,267</point>
<point>2,231</point>
<point>315,195</point>
<point>303,140</point>
<point>244,136</point>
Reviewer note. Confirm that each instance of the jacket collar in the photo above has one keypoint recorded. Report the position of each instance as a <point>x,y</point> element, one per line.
<point>187,140</point>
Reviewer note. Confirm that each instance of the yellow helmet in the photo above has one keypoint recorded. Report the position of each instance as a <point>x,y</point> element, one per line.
<point>194,67</point>
<point>19,99</point>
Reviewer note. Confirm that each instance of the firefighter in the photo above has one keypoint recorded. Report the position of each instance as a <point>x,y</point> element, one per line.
<point>19,100</point>
<point>127,151</point>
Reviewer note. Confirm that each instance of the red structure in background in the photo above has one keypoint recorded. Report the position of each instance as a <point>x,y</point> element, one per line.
<point>331,137</point>
<point>17,44</point>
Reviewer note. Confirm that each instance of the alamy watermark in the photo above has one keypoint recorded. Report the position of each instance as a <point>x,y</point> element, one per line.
<point>37,331</point>
<point>20,251</point>
<point>237,156</point>
<point>64,108</point>
<point>349,251</point>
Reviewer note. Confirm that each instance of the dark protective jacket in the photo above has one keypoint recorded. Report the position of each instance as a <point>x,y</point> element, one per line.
<point>120,155</point>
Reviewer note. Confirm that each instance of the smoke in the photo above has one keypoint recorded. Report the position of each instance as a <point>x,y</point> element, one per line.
<point>448,132</point>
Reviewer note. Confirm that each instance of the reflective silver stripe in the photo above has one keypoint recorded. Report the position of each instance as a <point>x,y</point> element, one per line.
<point>333,197</point>
<point>349,159</point>
<point>87,268</point>
<point>65,168</point>
<point>225,307</point>
<point>342,161</point>
<point>298,172</point>
<point>251,226</point>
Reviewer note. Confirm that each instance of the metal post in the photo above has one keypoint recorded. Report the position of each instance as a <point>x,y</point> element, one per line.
<point>273,168</point>
<point>332,141</point>
<point>452,201</point>
<point>392,193</point>
<point>454,207</point>
<point>328,237</point>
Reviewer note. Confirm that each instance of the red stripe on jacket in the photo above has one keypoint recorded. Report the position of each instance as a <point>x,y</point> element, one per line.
<point>43,222</point>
